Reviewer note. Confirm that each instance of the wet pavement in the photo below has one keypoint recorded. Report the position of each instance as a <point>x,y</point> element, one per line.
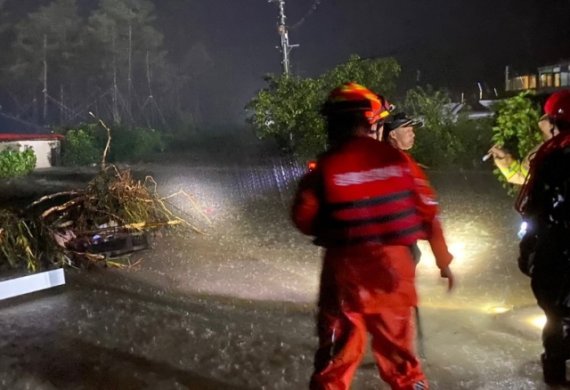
<point>234,308</point>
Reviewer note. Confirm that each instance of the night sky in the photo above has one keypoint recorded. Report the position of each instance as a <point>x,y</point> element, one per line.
<point>231,44</point>
<point>454,44</point>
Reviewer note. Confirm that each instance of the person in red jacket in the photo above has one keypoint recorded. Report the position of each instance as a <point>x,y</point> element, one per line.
<point>362,204</point>
<point>398,131</point>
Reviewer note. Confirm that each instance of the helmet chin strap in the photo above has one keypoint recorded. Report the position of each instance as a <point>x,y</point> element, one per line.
<point>377,129</point>
<point>554,130</point>
<point>378,133</point>
<point>373,133</point>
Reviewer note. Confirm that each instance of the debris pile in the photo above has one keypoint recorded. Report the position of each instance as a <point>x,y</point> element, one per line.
<point>111,217</point>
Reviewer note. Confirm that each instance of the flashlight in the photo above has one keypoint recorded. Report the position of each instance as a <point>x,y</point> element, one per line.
<point>523,229</point>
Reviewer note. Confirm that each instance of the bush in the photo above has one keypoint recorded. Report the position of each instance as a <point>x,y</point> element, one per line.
<point>135,144</point>
<point>85,145</point>
<point>516,130</point>
<point>80,148</point>
<point>474,137</point>
<point>516,125</point>
<point>437,144</point>
<point>15,163</point>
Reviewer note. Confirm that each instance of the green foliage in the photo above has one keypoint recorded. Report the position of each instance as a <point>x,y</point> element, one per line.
<point>378,74</point>
<point>58,27</point>
<point>123,31</point>
<point>85,145</point>
<point>17,242</point>
<point>80,148</point>
<point>516,125</point>
<point>473,136</point>
<point>15,163</point>
<point>287,110</point>
<point>516,129</point>
<point>134,144</point>
<point>115,44</point>
<point>437,144</point>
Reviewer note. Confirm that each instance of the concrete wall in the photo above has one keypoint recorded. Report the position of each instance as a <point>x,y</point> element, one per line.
<point>47,151</point>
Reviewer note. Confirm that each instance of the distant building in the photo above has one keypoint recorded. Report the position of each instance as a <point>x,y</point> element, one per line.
<point>46,147</point>
<point>475,110</point>
<point>18,134</point>
<point>545,80</point>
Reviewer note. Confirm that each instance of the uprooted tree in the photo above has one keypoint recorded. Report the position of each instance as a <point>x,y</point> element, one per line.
<point>78,227</point>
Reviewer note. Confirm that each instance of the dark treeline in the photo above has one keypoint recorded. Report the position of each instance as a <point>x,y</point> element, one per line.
<point>60,59</point>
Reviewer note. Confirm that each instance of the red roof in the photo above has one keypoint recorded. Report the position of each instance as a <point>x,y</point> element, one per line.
<point>29,137</point>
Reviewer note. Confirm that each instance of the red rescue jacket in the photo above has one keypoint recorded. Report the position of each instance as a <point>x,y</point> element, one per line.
<point>428,196</point>
<point>363,204</point>
<point>365,193</point>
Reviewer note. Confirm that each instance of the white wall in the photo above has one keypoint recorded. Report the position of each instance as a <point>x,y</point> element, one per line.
<point>42,148</point>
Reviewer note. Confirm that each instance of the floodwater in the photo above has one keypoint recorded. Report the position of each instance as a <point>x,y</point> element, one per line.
<point>234,307</point>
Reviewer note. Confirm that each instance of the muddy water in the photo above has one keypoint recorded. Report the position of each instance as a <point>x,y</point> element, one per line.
<point>234,307</point>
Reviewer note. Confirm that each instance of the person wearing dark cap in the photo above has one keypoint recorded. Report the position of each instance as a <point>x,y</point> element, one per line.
<point>399,132</point>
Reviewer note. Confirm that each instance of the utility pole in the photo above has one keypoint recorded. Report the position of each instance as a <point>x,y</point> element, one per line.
<point>282,30</point>
<point>130,73</point>
<point>45,74</point>
<point>115,96</point>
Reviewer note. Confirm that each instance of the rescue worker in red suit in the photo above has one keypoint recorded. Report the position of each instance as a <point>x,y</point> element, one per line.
<point>398,131</point>
<point>361,203</point>
<point>544,203</point>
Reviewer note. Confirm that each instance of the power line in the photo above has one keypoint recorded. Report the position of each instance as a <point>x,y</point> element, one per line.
<point>309,13</point>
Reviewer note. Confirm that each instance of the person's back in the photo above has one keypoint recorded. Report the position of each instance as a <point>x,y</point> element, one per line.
<point>361,203</point>
<point>365,181</point>
<point>369,202</point>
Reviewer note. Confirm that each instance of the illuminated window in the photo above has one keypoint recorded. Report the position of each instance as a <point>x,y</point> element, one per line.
<point>532,83</point>
<point>546,80</point>
<point>564,81</point>
<point>557,79</point>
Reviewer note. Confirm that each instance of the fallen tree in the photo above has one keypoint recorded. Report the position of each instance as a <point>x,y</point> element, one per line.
<point>112,216</point>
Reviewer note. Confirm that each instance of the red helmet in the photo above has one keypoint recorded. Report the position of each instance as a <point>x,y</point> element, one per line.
<point>353,97</point>
<point>557,107</point>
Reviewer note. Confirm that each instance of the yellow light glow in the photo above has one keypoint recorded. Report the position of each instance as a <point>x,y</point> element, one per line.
<point>457,249</point>
<point>538,321</point>
<point>498,309</point>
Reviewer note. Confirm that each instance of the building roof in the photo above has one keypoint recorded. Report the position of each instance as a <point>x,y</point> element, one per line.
<point>10,137</point>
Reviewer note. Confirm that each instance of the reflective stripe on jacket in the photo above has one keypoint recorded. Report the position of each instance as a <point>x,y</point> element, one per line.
<point>368,195</point>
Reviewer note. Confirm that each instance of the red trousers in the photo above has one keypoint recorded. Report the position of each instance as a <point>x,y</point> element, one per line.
<point>342,340</point>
